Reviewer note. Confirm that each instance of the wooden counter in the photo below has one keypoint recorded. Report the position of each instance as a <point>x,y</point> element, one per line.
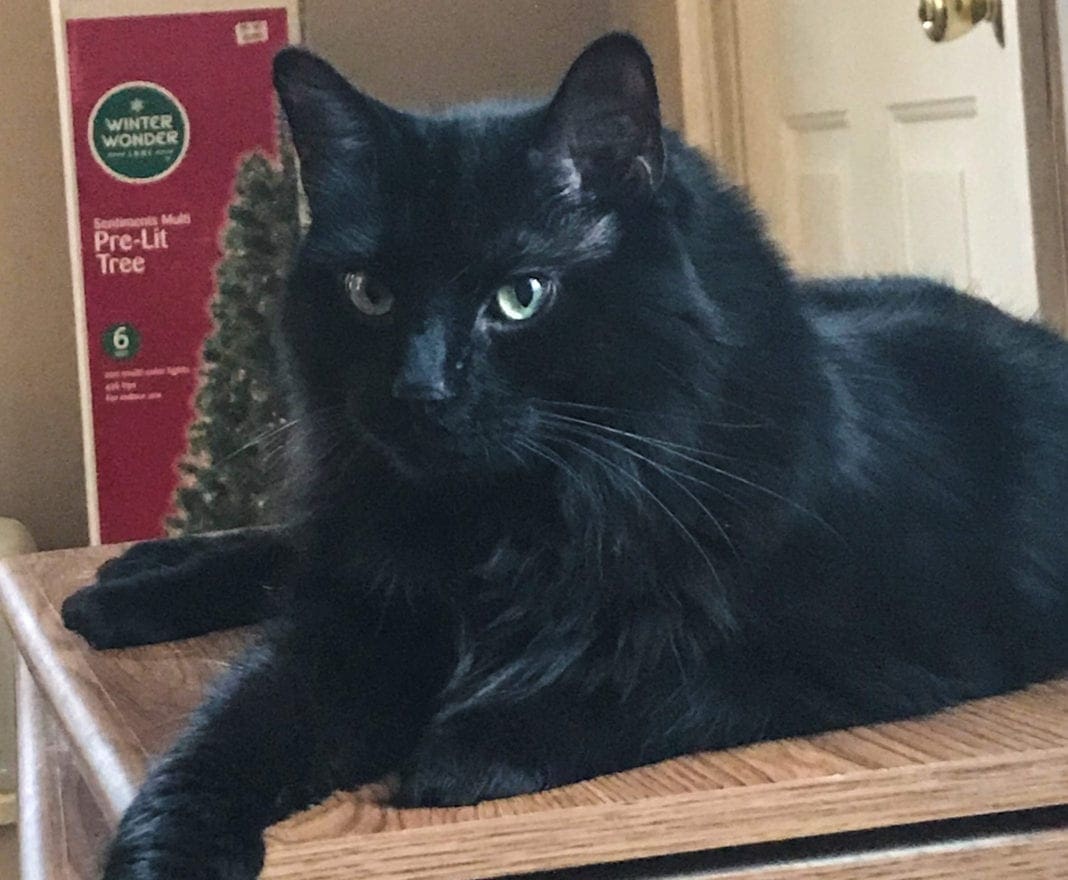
<point>839,806</point>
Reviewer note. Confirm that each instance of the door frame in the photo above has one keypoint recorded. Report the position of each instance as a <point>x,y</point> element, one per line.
<point>1047,159</point>
<point>713,119</point>
<point>711,81</point>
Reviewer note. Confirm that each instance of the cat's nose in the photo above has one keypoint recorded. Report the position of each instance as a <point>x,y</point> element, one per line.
<point>422,372</point>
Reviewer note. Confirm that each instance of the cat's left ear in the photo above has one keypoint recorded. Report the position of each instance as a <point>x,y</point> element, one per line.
<point>603,125</point>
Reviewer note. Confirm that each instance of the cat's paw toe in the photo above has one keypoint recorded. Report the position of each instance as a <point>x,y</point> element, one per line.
<point>456,783</point>
<point>422,790</point>
<point>154,862</point>
<point>84,613</point>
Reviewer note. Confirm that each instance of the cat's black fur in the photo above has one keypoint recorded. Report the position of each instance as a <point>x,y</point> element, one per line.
<point>693,502</point>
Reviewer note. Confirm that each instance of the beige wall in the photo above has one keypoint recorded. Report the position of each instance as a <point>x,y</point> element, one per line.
<point>421,53</point>
<point>427,53</point>
<point>655,23</point>
<point>41,479</point>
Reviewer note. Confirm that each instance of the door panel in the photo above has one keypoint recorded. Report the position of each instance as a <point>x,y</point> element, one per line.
<point>817,158</point>
<point>931,141</point>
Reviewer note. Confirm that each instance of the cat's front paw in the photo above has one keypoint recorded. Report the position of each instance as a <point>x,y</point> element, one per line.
<point>117,615</point>
<point>116,610</point>
<point>158,591</point>
<point>138,854</point>
<point>453,774</point>
<point>87,613</point>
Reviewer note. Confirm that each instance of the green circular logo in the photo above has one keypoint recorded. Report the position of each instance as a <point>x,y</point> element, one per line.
<point>138,132</point>
<point>121,341</point>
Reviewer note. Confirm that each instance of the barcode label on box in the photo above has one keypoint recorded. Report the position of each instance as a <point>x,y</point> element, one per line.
<point>246,32</point>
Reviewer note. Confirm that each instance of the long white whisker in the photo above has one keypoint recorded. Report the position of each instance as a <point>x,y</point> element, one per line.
<point>658,441</point>
<point>607,462</point>
<point>651,441</point>
<point>662,416</point>
<point>669,473</point>
<point>678,450</point>
<point>262,437</point>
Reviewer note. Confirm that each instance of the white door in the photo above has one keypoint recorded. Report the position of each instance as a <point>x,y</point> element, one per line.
<point>873,149</point>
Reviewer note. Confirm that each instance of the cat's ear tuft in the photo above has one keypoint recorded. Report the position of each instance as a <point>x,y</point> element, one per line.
<point>328,118</point>
<point>604,122</point>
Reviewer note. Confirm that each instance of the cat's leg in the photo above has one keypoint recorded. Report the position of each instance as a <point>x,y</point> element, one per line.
<point>502,750</point>
<point>172,589</point>
<point>296,720</point>
<point>569,732</point>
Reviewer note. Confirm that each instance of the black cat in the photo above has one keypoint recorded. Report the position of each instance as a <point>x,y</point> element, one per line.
<point>588,479</point>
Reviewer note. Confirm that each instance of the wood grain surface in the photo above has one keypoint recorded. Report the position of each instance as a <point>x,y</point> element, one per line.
<point>61,829</point>
<point>121,707</point>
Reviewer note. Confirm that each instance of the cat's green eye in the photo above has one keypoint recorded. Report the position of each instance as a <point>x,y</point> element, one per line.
<point>369,296</point>
<point>521,298</point>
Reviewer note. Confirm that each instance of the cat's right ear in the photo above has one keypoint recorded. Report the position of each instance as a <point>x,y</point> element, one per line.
<point>603,126</point>
<point>331,122</point>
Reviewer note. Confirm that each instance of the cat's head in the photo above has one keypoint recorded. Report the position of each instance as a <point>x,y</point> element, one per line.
<point>469,278</point>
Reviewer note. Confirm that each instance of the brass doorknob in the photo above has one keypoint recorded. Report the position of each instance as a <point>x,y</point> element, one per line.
<point>944,20</point>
